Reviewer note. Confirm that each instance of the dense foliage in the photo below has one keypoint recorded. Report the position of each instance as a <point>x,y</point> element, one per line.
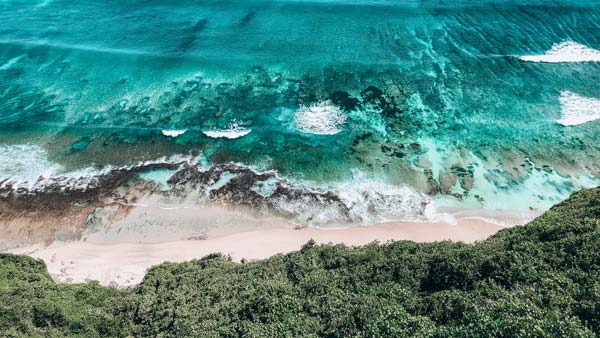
<point>539,280</point>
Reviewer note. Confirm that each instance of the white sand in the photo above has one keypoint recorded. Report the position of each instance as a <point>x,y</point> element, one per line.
<point>124,263</point>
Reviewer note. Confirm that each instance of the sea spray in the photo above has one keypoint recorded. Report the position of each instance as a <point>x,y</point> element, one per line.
<point>322,118</point>
<point>577,109</point>
<point>564,52</point>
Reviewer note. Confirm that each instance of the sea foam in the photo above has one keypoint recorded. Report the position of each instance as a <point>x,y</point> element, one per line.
<point>322,118</point>
<point>26,162</point>
<point>371,200</point>
<point>360,200</point>
<point>27,166</point>
<point>567,51</point>
<point>577,109</point>
<point>173,132</point>
<point>234,131</point>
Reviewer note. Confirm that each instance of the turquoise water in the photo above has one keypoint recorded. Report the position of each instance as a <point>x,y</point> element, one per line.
<point>431,95</point>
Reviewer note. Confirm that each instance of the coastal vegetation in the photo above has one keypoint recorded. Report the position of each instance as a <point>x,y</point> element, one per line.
<point>538,280</point>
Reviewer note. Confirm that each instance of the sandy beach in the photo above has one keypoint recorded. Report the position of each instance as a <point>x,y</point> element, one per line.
<point>120,261</point>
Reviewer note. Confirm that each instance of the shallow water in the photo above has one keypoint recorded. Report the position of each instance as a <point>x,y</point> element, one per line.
<point>480,104</point>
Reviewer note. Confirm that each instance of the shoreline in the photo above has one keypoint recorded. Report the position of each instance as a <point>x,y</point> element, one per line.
<point>122,263</point>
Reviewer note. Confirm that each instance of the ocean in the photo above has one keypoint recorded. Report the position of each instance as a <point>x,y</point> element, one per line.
<point>323,112</point>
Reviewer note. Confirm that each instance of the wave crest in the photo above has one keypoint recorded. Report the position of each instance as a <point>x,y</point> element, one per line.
<point>568,51</point>
<point>234,131</point>
<point>577,109</point>
<point>173,132</point>
<point>322,118</point>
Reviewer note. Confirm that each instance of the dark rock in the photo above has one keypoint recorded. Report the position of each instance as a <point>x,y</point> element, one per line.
<point>344,100</point>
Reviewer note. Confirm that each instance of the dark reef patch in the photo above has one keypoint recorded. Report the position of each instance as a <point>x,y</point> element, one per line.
<point>191,36</point>
<point>344,100</point>
<point>249,16</point>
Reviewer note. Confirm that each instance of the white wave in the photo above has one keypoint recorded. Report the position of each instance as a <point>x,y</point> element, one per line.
<point>567,51</point>
<point>227,133</point>
<point>576,109</point>
<point>27,166</point>
<point>234,131</point>
<point>368,201</point>
<point>173,132</point>
<point>372,200</point>
<point>320,119</point>
<point>26,162</point>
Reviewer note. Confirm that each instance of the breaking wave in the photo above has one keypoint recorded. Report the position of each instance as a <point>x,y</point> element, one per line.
<point>26,170</point>
<point>173,132</point>
<point>322,118</point>
<point>234,131</point>
<point>577,109</point>
<point>567,51</point>
<point>26,163</point>
<point>184,181</point>
<point>303,202</point>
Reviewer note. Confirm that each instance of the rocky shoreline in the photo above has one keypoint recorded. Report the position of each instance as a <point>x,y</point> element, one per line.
<point>63,207</point>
